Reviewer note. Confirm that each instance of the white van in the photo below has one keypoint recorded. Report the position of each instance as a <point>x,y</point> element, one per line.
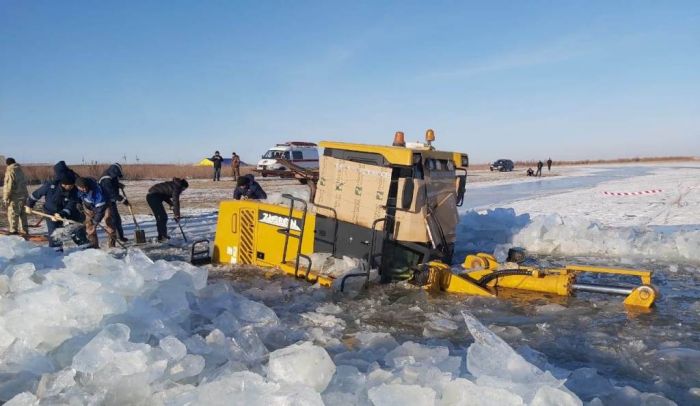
<point>303,154</point>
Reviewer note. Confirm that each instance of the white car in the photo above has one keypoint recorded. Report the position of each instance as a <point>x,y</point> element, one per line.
<point>303,154</point>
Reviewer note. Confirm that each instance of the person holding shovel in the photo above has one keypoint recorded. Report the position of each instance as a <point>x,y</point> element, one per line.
<point>109,182</point>
<point>60,203</point>
<point>96,206</point>
<point>165,192</point>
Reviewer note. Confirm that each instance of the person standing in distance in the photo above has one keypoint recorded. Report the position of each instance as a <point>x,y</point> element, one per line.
<point>217,159</point>
<point>235,166</point>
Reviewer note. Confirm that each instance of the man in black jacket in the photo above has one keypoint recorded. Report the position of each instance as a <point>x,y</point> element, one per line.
<point>248,188</point>
<point>168,192</point>
<point>109,182</point>
<point>539,168</point>
<point>217,159</point>
<point>60,200</point>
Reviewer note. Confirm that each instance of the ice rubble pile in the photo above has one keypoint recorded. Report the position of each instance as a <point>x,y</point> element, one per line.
<point>326,264</point>
<point>89,328</point>
<point>553,234</point>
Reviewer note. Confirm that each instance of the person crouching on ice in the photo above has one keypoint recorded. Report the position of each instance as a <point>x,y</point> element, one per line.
<point>96,205</point>
<point>168,192</point>
<point>60,201</point>
<point>248,188</point>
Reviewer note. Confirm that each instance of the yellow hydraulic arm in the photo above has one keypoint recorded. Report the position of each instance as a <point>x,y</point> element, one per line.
<point>483,275</point>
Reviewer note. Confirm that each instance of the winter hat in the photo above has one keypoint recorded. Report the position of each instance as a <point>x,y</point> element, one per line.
<point>244,181</point>
<point>68,180</point>
<point>82,183</point>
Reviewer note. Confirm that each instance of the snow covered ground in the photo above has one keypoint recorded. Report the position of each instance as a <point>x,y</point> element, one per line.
<point>599,220</point>
<point>92,327</point>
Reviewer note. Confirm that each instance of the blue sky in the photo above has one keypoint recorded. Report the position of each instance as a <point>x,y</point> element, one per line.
<point>173,81</point>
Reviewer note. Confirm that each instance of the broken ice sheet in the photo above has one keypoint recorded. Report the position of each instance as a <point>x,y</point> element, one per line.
<point>495,364</point>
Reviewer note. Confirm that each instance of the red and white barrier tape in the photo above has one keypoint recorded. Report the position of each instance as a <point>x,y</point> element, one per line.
<point>643,192</point>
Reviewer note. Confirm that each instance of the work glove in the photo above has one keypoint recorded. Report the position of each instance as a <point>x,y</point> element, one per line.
<point>126,202</point>
<point>27,209</point>
<point>57,217</point>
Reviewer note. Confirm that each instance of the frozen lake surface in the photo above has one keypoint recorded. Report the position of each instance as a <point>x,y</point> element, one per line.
<point>484,195</point>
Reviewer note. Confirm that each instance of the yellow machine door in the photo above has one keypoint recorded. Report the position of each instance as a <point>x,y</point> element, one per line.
<point>252,233</point>
<point>235,235</point>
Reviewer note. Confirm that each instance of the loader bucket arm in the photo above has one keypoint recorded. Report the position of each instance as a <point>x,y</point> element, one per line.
<point>485,276</point>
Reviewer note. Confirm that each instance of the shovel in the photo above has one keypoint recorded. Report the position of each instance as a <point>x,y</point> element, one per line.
<point>71,227</point>
<point>50,217</point>
<point>72,222</point>
<point>139,234</point>
<point>181,230</point>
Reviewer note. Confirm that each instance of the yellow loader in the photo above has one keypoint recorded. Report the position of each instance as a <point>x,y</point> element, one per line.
<point>394,207</point>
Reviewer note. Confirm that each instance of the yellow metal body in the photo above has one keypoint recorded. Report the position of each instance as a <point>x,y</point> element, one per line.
<point>641,297</point>
<point>441,278</point>
<point>645,276</point>
<point>248,232</point>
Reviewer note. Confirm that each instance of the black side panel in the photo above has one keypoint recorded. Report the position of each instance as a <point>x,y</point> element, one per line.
<point>398,259</point>
<point>355,156</point>
<point>352,240</point>
<point>393,258</point>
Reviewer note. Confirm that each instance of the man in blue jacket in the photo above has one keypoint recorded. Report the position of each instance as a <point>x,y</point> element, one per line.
<point>60,201</point>
<point>96,206</point>
<point>248,188</point>
<point>109,182</point>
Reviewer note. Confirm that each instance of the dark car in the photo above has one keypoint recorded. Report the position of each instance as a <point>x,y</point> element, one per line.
<point>502,165</point>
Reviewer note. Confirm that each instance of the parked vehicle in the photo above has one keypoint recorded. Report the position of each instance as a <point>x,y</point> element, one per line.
<point>301,154</point>
<point>502,165</point>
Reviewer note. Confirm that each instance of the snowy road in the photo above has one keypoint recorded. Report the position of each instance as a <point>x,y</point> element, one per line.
<point>93,328</point>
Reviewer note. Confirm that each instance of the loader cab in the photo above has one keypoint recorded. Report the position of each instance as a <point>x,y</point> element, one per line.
<point>395,206</point>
